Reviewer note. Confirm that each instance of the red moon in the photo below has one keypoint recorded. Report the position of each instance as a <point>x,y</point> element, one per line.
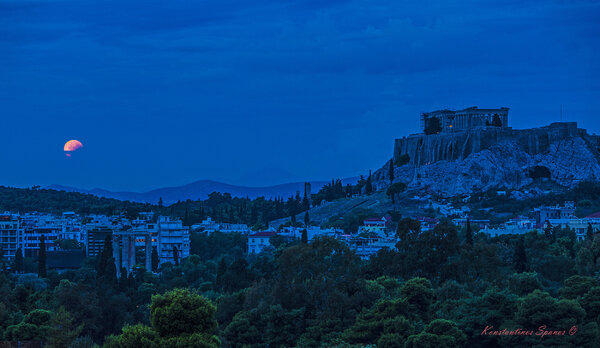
<point>72,145</point>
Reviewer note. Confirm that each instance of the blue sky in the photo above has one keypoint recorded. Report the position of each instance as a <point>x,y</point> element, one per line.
<point>163,93</point>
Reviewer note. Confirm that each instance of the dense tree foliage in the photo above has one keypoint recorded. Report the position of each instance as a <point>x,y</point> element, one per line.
<point>394,190</point>
<point>179,319</point>
<point>434,291</point>
<point>53,201</point>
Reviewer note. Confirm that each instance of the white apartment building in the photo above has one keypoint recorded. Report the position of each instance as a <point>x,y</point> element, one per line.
<point>172,234</point>
<point>258,241</point>
<point>10,232</point>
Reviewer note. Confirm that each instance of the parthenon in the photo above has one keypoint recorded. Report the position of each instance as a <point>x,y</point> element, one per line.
<point>447,121</point>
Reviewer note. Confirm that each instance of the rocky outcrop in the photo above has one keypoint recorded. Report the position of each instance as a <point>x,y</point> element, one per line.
<point>463,162</point>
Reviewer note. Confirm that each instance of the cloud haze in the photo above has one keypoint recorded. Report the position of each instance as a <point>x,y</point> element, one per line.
<point>163,93</point>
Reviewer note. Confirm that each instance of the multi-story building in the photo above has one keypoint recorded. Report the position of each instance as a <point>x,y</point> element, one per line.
<point>311,232</point>
<point>258,241</point>
<point>10,235</point>
<point>543,214</point>
<point>145,225</point>
<point>35,225</point>
<point>172,235</point>
<point>96,237</point>
<point>367,247</point>
<point>380,226</point>
<point>479,223</point>
<point>72,231</point>
<point>577,225</point>
<point>32,236</point>
<point>427,223</point>
<point>209,226</point>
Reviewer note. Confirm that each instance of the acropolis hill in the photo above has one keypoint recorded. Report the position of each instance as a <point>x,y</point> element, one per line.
<point>483,152</point>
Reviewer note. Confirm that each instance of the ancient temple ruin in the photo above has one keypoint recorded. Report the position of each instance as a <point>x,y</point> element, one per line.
<point>448,121</point>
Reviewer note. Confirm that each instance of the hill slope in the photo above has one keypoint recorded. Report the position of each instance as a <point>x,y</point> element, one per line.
<point>476,160</point>
<point>200,190</point>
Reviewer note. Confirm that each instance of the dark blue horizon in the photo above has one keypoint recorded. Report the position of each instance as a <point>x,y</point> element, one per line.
<point>264,92</point>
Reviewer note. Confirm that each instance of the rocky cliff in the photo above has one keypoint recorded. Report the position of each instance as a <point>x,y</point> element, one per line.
<point>479,159</point>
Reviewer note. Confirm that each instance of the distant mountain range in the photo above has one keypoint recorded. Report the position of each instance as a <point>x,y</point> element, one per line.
<point>201,189</point>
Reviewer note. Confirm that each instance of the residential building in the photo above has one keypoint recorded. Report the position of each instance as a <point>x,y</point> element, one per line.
<point>543,213</point>
<point>379,226</point>
<point>366,247</point>
<point>258,241</point>
<point>209,226</point>
<point>10,235</point>
<point>96,236</point>
<point>311,232</point>
<point>427,223</point>
<point>579,226</point>
<point>172,235</point>
<point>32,236</point>
<point>478,223</point>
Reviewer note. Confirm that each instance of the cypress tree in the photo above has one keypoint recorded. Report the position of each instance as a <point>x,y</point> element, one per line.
<point>590,232</point>
<point>304,236</point>
<point>42,258</point>
<point>123,282</point>
<point>231,216</point>
<point>154,260</point>
<point>106,261</point>
<point>19,261</point>
<point>520,258</point>
<point>175,256</point>
<point>2,264</point>
<point>305,202</point>
<point>131,281</point>
<point>186,218</point>
<point>221,270</point>
<point>548,231</point>
<point>469,233</point>
<point>369,185</point>
<point>306,219</point>
<point>391,171</point>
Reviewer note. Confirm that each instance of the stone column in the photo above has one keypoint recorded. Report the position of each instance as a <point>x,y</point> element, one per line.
<point>148,239</point>
<point>131,252</point>
<point>126,250</point>
<point>117,254</point>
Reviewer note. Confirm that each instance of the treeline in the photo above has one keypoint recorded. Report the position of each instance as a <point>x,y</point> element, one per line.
<point>260,211</point>
<point>222,207</point>
<point>25,200</point>
<point>335,190</point>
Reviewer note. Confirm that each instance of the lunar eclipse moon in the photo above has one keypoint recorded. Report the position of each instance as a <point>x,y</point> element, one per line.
<point>72,145</point>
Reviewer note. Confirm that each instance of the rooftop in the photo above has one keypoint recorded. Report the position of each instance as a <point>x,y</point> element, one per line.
<point>263,234</point>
